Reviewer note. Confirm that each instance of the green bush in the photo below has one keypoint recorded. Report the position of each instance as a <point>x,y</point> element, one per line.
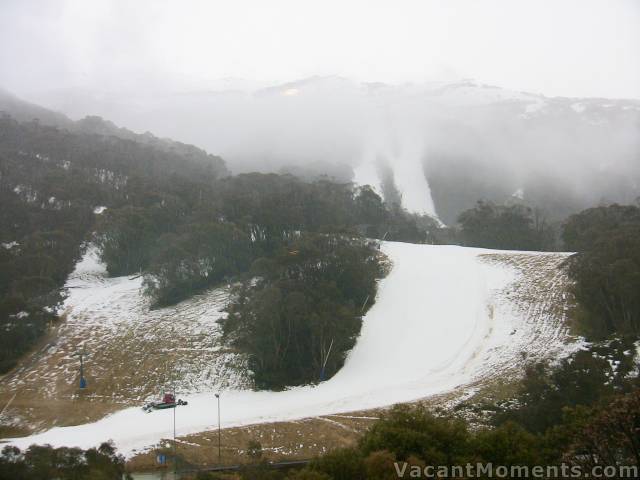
<point>341,464</point>
<point>407,431</point>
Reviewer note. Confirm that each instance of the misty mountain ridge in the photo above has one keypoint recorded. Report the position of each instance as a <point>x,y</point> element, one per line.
<point>436,147</point>
<point>92,124</point>
<point>24,111</point>
<point>78,102</point>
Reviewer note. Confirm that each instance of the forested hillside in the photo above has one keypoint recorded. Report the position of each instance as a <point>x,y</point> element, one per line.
<point>24,111</point>
<point>167,210</point>
<point>303,311</point>
<point>53,185</point>
<point>606,269</point>
<point>507,227</point>
<point>297,249</point>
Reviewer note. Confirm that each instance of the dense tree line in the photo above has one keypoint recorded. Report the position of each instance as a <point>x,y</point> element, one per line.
<point>40,462</point>
<point>582,231</point>
<point>185,244</point>
<point>505,227</point>
<point>301,313</point>
<point>276,204</point>
<point>198,256</point>
<point>606,269</point>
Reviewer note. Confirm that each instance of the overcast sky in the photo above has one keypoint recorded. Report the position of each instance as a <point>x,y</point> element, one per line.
<point>554,47</point>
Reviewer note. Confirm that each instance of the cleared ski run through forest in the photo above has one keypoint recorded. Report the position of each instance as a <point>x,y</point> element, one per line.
<point>445,316</point>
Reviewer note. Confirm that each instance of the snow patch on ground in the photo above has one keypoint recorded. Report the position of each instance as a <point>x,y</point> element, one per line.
<point>133,352</point>
<point>578,107</point>
<point>537,107</point>
<point>519,194</point>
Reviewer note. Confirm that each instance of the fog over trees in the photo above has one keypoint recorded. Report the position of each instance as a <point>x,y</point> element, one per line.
<point>437,147</point>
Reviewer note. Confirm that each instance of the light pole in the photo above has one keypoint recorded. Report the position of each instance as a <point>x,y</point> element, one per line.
<point>175,448</point>
<point>171,365</point>
<point>219,433</point>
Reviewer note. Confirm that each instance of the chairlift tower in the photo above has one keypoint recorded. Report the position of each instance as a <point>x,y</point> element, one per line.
<point>82,355</point>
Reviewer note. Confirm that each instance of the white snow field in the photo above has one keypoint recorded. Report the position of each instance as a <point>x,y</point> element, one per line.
<point>444,317</point>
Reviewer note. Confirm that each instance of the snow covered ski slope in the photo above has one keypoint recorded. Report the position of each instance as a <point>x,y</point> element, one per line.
<point>444,317</point>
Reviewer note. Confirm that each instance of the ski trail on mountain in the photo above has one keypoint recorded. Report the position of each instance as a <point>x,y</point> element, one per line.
<point>439,322</point>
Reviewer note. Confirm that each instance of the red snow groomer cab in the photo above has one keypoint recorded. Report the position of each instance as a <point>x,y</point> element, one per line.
<point>168,401</point>
<point>168,398</point>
